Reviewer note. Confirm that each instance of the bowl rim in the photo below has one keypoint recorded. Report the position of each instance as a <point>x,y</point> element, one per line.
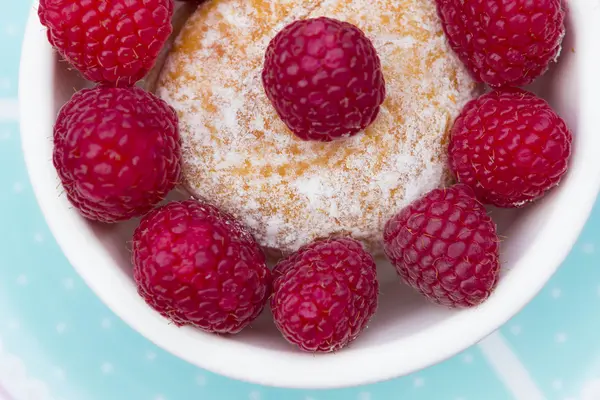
<point>272,367</point>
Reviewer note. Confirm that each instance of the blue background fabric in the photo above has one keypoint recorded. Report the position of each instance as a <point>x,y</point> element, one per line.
<point>58,341</point>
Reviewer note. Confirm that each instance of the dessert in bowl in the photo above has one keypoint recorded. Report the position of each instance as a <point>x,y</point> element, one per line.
<point>326,195</point>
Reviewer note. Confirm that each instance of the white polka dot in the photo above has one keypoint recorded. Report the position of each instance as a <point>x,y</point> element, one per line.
<point>68,283</point>
<point>201,380</point>
<point>467,358</point>
<point>9,109</point>
<point>310,398</point>
<point>11,30</point>
<point>18,187</point>
<point>61,327</point>
<point>150,356</point>
<point>560,337</point>
<point>557,384</point>
<point>107,368</point>
<point>13,324</point>
<point>22,280</point>
<point>5,83</point>
<point>573,398</point>
<point>418,382</point>
<point>106,323</point>
<point>588,248</point>
<point>254,395</point>
<point>4,135</point>
<point>556,293</point>
<point>515,330</point>
<point>38,238</point>
<point>364,396</point>
<point>160,397</point>
<point>59,373</point>
<point>460,398</point>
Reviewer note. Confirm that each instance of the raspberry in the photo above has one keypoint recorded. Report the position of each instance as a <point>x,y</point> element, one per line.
<point>324,79</point>
<point>115,42</point>
<point>504,42</point>
<point>510,147</point>
<point>197,266</point>
<point>325,294</point>
<point>116,151</point>
<point>445,246</point>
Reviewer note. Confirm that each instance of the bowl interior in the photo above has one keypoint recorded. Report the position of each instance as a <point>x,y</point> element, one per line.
<point>404,322</point>
<point>402,311</point>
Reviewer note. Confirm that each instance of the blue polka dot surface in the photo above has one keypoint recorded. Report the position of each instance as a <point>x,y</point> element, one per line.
<point>58,341</point>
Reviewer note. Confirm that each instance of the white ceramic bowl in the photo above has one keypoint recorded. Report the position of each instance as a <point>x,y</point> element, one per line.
<point>407,333</point>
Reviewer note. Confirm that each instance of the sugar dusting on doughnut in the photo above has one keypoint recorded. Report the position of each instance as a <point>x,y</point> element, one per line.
<point>241,157</point>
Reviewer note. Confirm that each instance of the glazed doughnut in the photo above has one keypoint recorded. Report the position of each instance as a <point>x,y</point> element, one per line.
<point>241,157</point>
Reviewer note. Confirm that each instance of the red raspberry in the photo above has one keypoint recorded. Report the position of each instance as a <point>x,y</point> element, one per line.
<point>445,246</point>
<point>510,147</point>
<point>198,266</point>
<point>115,42</point>
<point>504,42</point>
<point>325,294</point>
<point>117,152</point>
<point>324,79</point>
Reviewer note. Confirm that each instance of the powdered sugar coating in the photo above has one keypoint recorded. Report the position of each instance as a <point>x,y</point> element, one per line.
<point>241,157</point>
